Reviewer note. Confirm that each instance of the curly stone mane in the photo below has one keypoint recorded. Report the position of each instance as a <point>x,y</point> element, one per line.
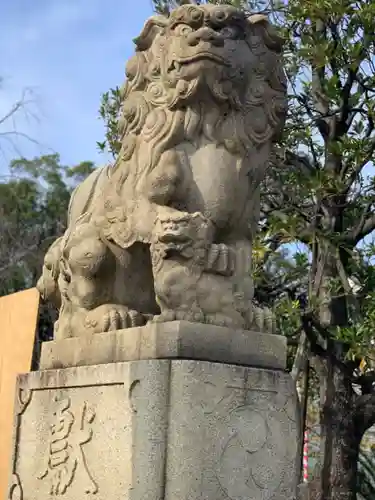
<point>245,104</point>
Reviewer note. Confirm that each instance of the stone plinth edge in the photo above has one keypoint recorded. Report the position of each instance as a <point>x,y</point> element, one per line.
<point>171,340</point>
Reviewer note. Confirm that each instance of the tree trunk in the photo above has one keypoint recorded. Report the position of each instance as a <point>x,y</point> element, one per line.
<point>335,474</point>
<point>346,440</point>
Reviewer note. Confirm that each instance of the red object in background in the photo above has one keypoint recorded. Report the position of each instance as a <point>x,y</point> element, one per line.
<point>306,457</point>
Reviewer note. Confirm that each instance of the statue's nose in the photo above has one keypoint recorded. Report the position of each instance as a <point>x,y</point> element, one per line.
<point>206,35</point>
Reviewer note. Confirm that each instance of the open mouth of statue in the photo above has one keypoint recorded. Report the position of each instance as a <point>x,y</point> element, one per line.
<point>177,64</point>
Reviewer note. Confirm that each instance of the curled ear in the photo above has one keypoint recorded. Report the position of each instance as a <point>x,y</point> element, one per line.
<point>257,18</point>
<point>272,39</point>
<point>152,27</point>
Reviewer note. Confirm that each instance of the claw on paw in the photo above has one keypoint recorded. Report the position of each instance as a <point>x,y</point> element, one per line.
<point>108,318</point>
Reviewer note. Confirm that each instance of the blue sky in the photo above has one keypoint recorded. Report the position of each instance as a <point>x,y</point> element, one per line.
<point>67,52</point>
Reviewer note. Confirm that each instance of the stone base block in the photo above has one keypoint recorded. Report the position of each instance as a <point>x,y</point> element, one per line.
<point>173,340</point>
<point>153,430</point>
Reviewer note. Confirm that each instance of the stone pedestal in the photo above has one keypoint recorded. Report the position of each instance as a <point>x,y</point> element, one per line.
<point>171,429</point>
<point>172,340</point>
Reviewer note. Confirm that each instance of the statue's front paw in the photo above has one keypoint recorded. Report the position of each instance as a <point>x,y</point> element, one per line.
<point>169,315</point>
<point>221,259</point>
<point>263,319</point>
<point>120,317</point>
<point>108,318</point>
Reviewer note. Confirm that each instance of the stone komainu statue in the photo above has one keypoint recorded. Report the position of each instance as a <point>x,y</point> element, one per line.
<point>166,232</point>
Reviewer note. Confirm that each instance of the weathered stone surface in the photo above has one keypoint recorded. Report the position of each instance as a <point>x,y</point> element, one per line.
<point>176,339</point>
<point>303,492</point>
<point>156,429</point>
<point>167,230</point>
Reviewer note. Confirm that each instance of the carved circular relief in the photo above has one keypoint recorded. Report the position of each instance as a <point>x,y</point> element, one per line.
<point>249,427</point>
<point>268,471</point>
<point>253,460</point>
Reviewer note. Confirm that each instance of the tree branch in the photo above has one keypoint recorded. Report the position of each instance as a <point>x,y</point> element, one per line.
<point>344,122</point>
<point>317,83</point>
<point>364,228</point>
<point>300,357</point>
<point>312,337</point>
<point>309,323</point>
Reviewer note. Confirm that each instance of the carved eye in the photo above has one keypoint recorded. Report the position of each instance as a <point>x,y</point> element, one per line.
<point>183,30</point>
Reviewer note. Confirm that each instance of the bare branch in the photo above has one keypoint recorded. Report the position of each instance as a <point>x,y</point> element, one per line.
<point>17,106</point>
<point>8,126</point>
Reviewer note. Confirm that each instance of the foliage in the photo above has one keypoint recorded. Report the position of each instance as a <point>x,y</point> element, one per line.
<point>109,111</point>
<point>33,208</point>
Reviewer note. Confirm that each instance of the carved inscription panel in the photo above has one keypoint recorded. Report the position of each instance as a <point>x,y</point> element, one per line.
<point>72,444</point>
<point>65,455</point>
<point>233,433</point>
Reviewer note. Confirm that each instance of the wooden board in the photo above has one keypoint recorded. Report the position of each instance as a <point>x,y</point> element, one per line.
<point>18,321</point>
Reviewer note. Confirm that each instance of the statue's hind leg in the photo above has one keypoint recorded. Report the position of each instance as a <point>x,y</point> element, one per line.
<point>87,282</point>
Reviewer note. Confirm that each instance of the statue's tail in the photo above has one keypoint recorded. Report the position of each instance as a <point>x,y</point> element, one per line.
<point>84,194</point>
